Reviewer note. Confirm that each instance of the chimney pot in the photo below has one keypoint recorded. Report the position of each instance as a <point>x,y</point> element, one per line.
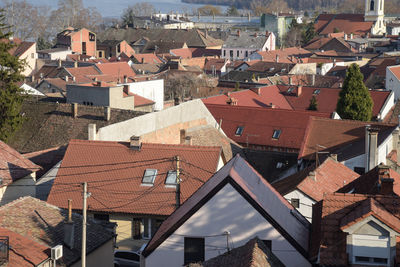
<point>371,148</point>
<point>386,186</point>
<point>107,113</point>
<point>75,64</point>
<point>136,143</point>
<point>69,228</point>
<point>182,136</point>
<point>66,78</point>
<point>290,80</point>
<point>299,90</point>
<point>92,131</point>
<point>74,108</point>
<point>69,210</point>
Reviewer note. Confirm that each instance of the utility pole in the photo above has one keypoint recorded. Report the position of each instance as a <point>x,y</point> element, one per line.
<point>178,185</point>
<point>85,195</point>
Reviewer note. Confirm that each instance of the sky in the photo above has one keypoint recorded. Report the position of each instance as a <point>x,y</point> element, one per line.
<point>114,8</point>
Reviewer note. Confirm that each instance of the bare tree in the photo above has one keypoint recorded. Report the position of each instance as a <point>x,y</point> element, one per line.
<point>137,10</point>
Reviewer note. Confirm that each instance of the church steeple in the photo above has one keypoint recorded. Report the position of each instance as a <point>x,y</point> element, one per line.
<point>374,11</point>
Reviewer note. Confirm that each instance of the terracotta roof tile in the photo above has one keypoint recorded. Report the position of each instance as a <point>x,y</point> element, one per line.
<point>342,137</point>
<point>327,178</point>
<point>13,165</point>
<point>147,58</point>
<point>127,167</point>
<point>336,211</point>
<point>23,251</point>
<point>44,223</point>
<point>259,125</point>
<point>257,97</point>
<point>347,23</point>
<point>116,69</point>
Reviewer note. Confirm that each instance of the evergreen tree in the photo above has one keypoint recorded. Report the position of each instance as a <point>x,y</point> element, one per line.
<point>313,103</point>
<point>232,11</point>
<point>355,102</point>
<point>11,96</point>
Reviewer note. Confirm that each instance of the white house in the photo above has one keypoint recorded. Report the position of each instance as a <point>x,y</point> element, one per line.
<point>241,45</point>
<point>153,90</point>
<point>236,204</point>
<point>308,186</point>
<point>17,175</point>
<point>59,53</point>
<point>393,80</point>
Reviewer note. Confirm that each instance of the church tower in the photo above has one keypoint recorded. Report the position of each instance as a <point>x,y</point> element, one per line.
<point>374,11</point>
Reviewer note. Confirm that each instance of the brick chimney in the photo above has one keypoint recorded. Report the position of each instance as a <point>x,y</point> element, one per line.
<point>277,58</point>
<point>299,90</point>
<point>182,134</point>
<point>386,186</point>
<point>135,142</point>
<point>313,79</point>
<point>290,80</point>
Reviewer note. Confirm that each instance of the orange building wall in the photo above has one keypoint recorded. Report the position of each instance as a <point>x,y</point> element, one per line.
<point>127,49</point>
<point>77,40</point>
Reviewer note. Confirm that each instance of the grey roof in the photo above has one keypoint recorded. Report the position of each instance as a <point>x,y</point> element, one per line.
<point>54,50</point>
<point>245,40</point>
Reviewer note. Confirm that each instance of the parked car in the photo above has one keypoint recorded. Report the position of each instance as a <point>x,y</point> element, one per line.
<point>126,258</point>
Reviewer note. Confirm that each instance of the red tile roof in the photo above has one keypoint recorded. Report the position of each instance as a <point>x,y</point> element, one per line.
<point>82,71</point>
<point>327,178</point>
<point>127,167</point>
<point>347,23</point>
<point>139,100</point>
<point>44,223</point>
<point>342,137</point>
<point>259,124</point>
<point>335,212</point>
<point>212,63</point>
<point>147,58</point>
<point>13,165</point>
<point>116,69</point>
<point>23,251</point>
<point>370,182</point>
<point>327,98</point>
<point>257,97</point>
<point>286,55</point>
<point>396,71</point>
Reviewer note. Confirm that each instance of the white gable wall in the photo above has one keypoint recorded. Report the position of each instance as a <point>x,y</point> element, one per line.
<point>392,82</point>
<point>306,203</point>
<point>153,90</point>
<point>225,211</point>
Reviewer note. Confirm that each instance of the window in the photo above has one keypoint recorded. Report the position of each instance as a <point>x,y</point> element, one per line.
<point>119,48</point>
<point>193,250</point>
<point>149,176</point>
<point>224,53</point>
<point>84,48</point>
<point>171,178</point>
<point>92,37</point>
<point>231,53</point>
<point>276,134</point>
<point>102,217</point>
<point>237,53</point>
<point>295,202</point>
<point>316,91</point>
<point>372,5</point>
<point>239,130</point>
<point>247,53</point>
<point>290,90</point>
<point>100,53</point>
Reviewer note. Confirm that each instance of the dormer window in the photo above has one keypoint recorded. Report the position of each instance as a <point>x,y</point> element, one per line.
<point>149,177</point>
<point>290,90</point>
<point>276,134</point>
<point>316,91</point>
<point>239,130</point>
<point>171,178</point>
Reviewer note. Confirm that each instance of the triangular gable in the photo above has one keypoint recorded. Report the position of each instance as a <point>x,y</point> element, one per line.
<point>233,173</point>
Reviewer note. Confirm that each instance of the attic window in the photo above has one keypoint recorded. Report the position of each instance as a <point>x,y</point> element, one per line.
<point>316,91</point>
<point>239,130</point>
<point>276,134</point>
<point>171,178</point>
<point>149,176</point>
<point>290,90</point>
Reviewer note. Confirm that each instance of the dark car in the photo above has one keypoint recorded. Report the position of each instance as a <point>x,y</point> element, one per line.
<point>126,258</point>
